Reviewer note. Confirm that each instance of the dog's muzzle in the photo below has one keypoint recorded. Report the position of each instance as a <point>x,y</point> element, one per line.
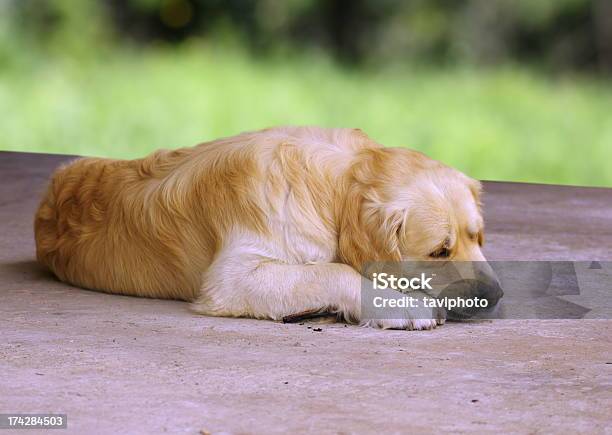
<point>484,285</point>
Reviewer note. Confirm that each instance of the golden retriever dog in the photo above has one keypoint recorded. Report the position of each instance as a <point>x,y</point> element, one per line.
<point>264,224</point>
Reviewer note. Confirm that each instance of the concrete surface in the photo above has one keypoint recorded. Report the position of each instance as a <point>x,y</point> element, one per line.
<point>125,365</point>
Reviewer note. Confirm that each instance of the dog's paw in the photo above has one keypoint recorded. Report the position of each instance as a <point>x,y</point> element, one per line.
<point>408,324</point>
<point>415,320</point>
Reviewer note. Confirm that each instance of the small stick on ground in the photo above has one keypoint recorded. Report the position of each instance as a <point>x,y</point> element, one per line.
<point>306,315</point>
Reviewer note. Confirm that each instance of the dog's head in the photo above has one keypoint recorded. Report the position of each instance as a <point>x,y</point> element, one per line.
<point>403,206</point>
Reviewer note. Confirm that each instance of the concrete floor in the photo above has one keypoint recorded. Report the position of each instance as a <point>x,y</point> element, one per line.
<point>125,365</point>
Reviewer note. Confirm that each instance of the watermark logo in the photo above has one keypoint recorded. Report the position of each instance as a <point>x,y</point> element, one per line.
<point>495,289</point>
<point>384,281</point>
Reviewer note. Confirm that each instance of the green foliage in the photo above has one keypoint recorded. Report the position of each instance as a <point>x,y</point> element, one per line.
<point>504,123</point>
<point>561,34</point>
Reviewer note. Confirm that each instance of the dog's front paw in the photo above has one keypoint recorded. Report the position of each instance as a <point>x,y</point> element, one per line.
<point>415,320</point>
<point>408,324</point>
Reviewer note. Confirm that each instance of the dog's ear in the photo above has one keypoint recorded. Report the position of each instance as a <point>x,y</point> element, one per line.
<point>370,229</point>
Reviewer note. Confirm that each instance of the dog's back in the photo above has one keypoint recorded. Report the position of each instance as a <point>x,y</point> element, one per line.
<point>150,227</point>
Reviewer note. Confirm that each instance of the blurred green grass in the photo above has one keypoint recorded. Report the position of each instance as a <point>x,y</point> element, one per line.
<point>506,123</point>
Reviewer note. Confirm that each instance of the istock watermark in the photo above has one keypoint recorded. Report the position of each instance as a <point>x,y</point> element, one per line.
<point>385,280</point>
<point>412,302</point>
<point>494,290</point>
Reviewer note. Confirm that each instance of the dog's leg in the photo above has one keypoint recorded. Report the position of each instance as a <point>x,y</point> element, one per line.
<point>249,284</point>
<point>268,289</point>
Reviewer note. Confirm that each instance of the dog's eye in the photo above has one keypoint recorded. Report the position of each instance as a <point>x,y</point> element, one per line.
<point>440,253</point>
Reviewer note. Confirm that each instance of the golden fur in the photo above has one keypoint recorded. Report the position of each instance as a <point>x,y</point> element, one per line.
<point>263,224</point>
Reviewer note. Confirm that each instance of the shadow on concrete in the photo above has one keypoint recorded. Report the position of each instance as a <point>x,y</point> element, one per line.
<point>25,271</point>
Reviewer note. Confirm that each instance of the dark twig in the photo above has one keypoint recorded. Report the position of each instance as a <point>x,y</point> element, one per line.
<point>306,315</point>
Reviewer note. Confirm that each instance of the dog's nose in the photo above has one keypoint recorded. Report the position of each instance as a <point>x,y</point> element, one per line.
<point>492,293</point>
<point>489,288</point>
<point>484,287</point>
